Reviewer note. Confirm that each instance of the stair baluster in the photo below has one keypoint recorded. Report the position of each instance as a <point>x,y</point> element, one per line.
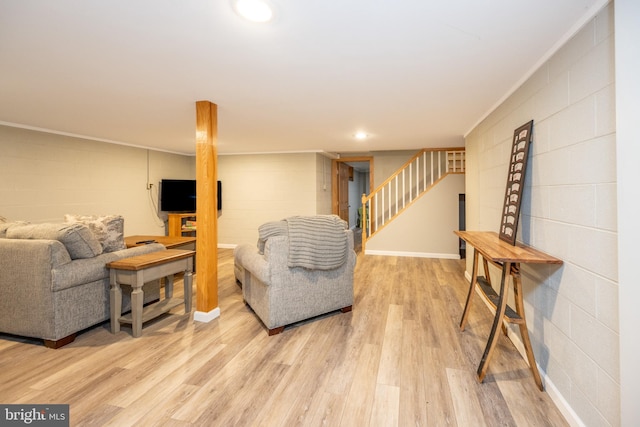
<point>386,202</point>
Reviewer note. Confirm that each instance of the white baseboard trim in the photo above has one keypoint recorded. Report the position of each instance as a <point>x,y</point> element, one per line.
<point>206,317</point>
<point>226,245</point>
<point>561,403</point>
<point>558,399</point>
<point>553,392</point>
<point>411,254</point>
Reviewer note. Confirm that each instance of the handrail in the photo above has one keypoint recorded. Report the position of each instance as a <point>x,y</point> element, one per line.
<point>407,184</point>
<point>411,160</point>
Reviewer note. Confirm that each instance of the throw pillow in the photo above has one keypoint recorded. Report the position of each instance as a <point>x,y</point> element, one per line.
<point>5,225</point>
<point>77,238</point>
<point>109,229</point>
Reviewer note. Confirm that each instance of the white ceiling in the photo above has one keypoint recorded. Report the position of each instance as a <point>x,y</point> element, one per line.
<point>411,73</point>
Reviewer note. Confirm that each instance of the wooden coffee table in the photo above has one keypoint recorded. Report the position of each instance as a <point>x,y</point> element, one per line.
<point>141,269</point>
<point>169,242</point>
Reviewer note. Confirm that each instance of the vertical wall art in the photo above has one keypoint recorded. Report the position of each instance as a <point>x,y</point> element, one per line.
<point>515,182</point>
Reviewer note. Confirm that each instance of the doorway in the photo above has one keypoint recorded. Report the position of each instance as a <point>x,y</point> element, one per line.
<point>350,178</point>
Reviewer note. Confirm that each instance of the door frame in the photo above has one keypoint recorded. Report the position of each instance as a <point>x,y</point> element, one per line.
<point>335,207</point>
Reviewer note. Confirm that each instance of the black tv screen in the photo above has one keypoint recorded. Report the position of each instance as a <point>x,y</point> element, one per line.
<point>179,195</point>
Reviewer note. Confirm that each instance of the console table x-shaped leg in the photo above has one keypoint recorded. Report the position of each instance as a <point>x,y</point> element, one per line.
<point>507,258</point>
<point>504,313</point>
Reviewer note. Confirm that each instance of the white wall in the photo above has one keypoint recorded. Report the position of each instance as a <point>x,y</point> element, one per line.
<point>569,211</point>
<point>426,228</point>
<point>44,176</point>
<point>387,162</point>
<point>627,17</point>
<point>323,185</point>
<point>267,187</point>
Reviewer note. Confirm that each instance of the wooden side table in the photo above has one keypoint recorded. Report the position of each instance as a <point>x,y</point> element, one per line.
<point>169,242</point>
<point>141,269</point>
<point>508,258</point>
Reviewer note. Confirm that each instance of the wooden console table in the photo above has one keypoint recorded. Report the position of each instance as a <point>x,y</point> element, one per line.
<point>141,269</point>
<point>508,258</point>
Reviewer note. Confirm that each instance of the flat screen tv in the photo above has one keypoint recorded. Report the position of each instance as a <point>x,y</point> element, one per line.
<point>179,195</point>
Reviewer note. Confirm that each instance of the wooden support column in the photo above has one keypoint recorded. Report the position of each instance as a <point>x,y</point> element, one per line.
<point>206,210</point>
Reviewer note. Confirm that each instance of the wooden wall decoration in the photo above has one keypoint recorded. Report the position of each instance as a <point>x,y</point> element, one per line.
<point>515,182</point>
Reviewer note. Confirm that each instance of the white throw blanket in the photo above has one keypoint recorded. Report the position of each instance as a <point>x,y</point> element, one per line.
<point>317,242</point>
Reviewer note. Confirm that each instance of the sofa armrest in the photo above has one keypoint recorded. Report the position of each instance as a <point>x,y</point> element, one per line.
<point>250,259</point>
<point>81,271</point>
<point>25,265</point>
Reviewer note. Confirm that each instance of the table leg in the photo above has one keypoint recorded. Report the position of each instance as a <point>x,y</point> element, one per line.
<point>115,302</point>
<point>497,321</point>
<point>472,287</point>
<point>524,332</point>
<point>188,290</point>
<point>168,286</point>
<point>487,275</point>
<point>137,299</point>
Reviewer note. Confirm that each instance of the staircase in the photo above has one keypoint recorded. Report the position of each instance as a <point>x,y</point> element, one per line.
<point>406,185</point>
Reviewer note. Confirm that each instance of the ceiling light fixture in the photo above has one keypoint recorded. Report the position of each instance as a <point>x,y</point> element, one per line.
<point>254,10</point>
<point>360,135</point>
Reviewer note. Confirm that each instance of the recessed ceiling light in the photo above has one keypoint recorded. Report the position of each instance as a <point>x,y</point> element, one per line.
<point>360,135</point>
<point>254,10</point>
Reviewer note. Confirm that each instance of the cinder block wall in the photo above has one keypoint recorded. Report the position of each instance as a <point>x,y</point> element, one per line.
<point>569,211</point>
<point>44,176</point>
<point>257,188</point>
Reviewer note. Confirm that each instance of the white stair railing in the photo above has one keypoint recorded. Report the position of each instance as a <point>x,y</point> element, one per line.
<point>407,184</point>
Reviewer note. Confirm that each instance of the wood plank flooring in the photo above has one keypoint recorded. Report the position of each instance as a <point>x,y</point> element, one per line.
<point>398,359</point>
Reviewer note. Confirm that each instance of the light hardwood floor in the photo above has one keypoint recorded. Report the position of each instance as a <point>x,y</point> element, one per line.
<point>397,359</point>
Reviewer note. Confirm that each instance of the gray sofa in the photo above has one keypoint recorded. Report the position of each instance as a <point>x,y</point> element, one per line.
<point>53,280</point>
<point>291,276</point>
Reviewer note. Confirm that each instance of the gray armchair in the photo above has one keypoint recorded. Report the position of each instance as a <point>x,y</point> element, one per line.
<point>302,267</point>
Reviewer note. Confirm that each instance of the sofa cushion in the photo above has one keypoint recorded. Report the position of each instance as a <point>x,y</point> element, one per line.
<point>108,229</point>
<point>77,238</point>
